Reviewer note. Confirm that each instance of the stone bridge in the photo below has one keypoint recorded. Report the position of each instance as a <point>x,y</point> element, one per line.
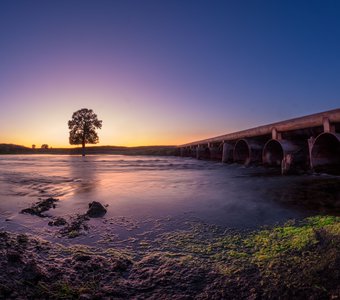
<point>309,142</point>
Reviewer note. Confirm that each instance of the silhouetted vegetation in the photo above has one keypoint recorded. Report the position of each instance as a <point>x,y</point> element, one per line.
<point>116,150</point>
<point>83,128</point>
<point>14,149</point>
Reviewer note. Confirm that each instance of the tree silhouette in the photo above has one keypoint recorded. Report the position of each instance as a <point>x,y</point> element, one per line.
<point>83,128</point>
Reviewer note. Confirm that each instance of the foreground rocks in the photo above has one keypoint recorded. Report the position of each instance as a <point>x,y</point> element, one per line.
<point>59,221</point>
<point>77,224</point>
<point>295,261</point>
<point>96,210</point>
<point>40,207</point>
<point>76,227</point>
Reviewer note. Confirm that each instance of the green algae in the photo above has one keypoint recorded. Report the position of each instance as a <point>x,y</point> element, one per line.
<point>295,260</point>
<point>287,239</point>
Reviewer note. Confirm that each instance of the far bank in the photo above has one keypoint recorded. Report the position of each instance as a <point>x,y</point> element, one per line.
<point>91,150</point>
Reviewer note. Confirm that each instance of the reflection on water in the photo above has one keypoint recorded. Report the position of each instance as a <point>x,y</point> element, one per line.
<point>157,187</point>
<point>83,172</point>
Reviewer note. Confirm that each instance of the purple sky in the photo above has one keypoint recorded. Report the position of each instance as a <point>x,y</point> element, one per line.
<point>163,72</point>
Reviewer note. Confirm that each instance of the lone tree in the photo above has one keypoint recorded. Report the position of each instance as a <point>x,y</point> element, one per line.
<point>83,128</point>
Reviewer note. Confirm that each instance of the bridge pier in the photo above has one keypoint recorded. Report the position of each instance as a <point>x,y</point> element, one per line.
<point>227,152</point>
<point>327,125</point>
<point>284,154</point>
<point>215,151</point>
<point>185,151</point>
<point>247,151</point>
<point>202,152</point>
<point>192,152</point>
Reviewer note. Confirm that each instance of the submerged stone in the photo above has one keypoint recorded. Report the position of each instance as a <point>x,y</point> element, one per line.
<point>76,227</point>
<point>58,222</point>
<point>40,207</point>
<point>96,210</point>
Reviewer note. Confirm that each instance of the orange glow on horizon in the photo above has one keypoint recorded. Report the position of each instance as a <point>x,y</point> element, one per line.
<point>152,141</point>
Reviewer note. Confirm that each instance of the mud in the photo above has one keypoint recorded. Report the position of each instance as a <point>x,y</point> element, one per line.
<point>296,261</point>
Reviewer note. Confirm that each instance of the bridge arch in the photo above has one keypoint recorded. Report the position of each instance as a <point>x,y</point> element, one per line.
<point>241,152</point>
<point>247,151</point>
<point>216,151</point>
<point>273,153</point>
<point>325,153</point>
<point>202,152</point>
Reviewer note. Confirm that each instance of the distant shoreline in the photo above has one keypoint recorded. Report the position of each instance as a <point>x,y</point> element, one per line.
<point>115,150</point>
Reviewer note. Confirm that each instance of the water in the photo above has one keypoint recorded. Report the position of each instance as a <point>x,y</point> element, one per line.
<point>148,193</point>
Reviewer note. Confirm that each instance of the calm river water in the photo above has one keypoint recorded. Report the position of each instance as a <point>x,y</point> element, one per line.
<point>140,188</point>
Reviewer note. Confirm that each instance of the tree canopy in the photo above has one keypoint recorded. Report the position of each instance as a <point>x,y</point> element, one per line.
<point>83,128</point>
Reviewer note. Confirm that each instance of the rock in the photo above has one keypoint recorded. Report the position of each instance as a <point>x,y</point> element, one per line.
<point>121,265</point>
<point>40,207</point>
<point>82,257</point>
<point>13,256</point>
<point>30,211</point>
<point>96,210</point>
<point>58,222</point>
<point>32,272</point>
<point>4,235</point>
<point>76,227</point>
<point>22,239</point>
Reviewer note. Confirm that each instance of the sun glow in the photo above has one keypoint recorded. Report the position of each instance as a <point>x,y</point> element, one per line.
<point>154,80</point>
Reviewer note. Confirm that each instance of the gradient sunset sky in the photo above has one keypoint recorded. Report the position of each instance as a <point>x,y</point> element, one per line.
<point>163,72</point>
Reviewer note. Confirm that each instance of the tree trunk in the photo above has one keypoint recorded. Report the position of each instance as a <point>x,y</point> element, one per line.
<point>83,149</point>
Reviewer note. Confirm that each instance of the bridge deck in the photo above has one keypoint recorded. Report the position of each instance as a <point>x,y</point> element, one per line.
<point>309,121</point>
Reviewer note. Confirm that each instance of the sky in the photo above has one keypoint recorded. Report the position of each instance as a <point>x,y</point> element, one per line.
<point>163,72</point>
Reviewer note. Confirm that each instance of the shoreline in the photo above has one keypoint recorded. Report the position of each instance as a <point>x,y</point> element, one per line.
<point>10,149</point>
<point>168,254</point>
<point>297,260</point>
